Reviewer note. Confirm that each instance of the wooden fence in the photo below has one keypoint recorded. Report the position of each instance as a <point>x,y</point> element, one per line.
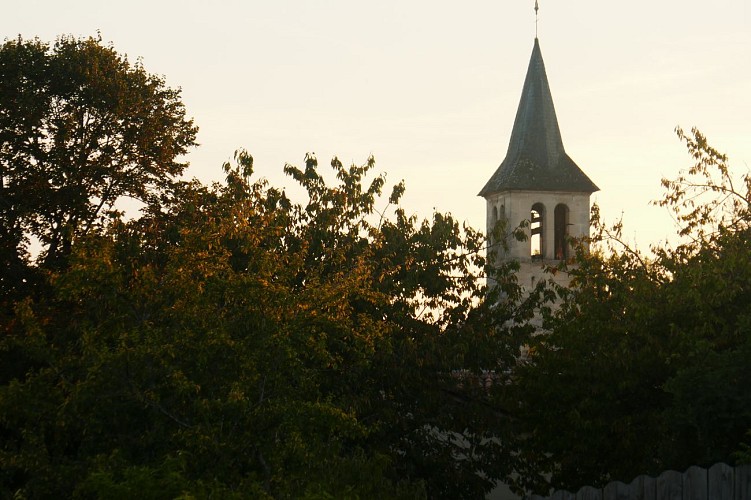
<point>719,482</point>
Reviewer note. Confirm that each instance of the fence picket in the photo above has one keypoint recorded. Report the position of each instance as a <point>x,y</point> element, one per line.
<point>670,486</point>
<point>720,482</point>
<point>563,495</point>
<point>589,493</point>
<point>615,491</point>
<point>743,482</point>
<point>695,484</point>
<point>636,490</point>
<point>650,488</point>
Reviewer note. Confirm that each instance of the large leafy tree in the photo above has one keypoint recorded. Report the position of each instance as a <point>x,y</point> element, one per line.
<point>80,128</point>
<point>232,341</point>
<point>646,368</point>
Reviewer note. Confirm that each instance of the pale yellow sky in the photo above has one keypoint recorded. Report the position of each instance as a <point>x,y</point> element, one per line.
<point>430,88</point>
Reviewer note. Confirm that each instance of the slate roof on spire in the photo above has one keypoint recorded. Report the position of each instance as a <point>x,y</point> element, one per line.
<point>536,159</point>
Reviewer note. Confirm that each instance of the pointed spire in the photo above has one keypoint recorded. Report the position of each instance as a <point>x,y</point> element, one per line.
<point>536,159</point>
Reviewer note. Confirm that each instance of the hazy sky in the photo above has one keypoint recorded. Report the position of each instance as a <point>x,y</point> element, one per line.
<point>430,88</point>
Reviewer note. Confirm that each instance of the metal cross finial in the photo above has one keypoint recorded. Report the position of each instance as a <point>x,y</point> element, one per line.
<point>537,8</point>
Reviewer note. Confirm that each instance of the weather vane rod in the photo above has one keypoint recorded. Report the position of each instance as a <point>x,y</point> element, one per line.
<point>537,8</point>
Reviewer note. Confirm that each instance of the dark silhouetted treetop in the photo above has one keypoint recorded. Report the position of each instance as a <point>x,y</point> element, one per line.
<point>80,128</point>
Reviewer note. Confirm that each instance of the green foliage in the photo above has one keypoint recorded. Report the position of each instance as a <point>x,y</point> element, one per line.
<point>233,342</point>
<point>646,367</point>
<point>743,456</point>
<point>80,128</point>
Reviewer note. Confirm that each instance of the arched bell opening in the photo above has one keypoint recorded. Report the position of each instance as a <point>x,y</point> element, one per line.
<point>561,236</point>
<point>537,231</point>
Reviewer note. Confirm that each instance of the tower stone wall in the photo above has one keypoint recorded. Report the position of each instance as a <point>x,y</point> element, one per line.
<point>539,183</point>
<point>516,207</point>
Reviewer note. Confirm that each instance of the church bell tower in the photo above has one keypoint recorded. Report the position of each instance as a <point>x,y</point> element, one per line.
<point>538,182</point>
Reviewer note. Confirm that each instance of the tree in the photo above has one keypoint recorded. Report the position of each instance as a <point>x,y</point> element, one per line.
<point>646,366</point>
<point>233,341</point>
<point>80,128</point>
